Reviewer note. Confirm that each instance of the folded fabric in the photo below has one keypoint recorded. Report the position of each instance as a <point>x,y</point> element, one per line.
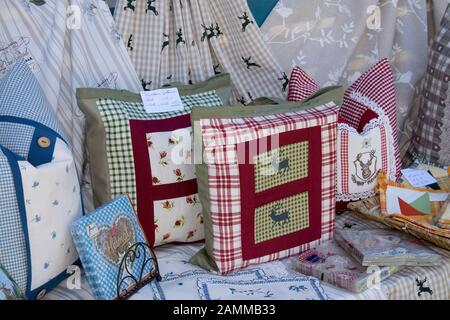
<point>40,194</point>
<point>330,263</point>
<point>284,288</point>
<point>267,181</point>
<point>148,156</point>
<point>409,283</point>
<point>183,285</point>
<point>103,240</point>
<point>9,290</point>
<point>382,247</point>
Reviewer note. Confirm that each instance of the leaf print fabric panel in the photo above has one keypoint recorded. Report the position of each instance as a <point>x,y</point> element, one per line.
<point>282,217</point>
<point>171,156</point>
<point>52,202</point>
<point>178,220</point>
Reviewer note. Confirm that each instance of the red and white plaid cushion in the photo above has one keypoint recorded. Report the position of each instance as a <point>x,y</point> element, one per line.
<point>372,93</point>
<point>374,90</point>
<point>301,85</point>
<point>233,199</point>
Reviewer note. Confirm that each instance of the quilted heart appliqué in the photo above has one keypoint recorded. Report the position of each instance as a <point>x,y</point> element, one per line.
<point>113,241</point>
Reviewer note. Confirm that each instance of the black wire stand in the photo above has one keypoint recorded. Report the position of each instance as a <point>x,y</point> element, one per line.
<point>140,253</point>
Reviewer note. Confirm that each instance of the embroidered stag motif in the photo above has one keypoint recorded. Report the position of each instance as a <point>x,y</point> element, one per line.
<point>180,37</point>
<point>131,5</point>
<point>279,218</point>
<point>130,43</point>
<point>365,168</point>
<point>285,80</point>
<point>280,166</point>
<point>348,225</point>
<point>151,8</point>
<point>422,288</point>
<point>249,63</point>
<point>166,41</point>
<point>245,21</point>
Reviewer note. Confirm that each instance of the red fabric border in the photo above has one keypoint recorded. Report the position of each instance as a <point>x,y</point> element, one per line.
<point>146,192</point>
<point>250,200</point>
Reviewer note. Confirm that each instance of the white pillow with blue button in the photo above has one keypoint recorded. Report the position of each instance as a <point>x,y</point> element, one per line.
<point>39,189</point>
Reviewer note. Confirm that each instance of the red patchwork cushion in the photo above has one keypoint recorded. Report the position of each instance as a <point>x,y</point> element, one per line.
<point>269,183</point>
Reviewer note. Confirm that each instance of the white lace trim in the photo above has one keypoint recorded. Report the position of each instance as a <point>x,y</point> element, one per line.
<point>381,121</point>
<point>355,196</point>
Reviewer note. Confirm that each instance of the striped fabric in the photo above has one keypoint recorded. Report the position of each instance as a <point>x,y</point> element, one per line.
<point>62,41</point>
<point>190,41</point>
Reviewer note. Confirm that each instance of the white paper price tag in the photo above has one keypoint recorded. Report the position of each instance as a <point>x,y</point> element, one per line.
<point>162,100</point>
<point>418,178</point>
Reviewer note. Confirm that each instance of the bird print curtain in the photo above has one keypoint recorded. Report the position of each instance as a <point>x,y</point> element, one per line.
<point>189,41</point>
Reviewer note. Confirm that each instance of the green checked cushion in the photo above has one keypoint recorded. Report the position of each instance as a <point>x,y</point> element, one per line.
<point>267,182</point>
<point>148,157</point>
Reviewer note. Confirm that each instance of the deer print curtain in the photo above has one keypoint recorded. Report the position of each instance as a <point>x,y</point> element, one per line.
<point>191,40</point>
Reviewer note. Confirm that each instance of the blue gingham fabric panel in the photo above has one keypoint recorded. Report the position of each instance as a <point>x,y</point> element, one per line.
<point>9,137</point>
<point>12,242</point>
<point>22,97</point>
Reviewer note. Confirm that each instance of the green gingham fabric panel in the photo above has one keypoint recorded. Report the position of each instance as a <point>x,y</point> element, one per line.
<point>116,115</point>
<point>280,166</point>
<point>13,255</point>
<point>282,217</point>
